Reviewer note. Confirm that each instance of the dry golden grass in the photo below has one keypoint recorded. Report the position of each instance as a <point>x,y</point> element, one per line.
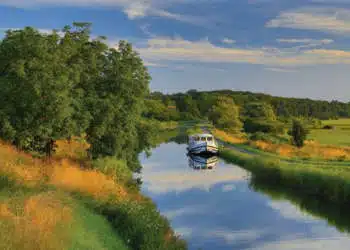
<point>36,224</point>
<point>222,135</point>
<point>73,149</point>
<point>69,177</point>
<point>310,150</point>
<point>62,173</point>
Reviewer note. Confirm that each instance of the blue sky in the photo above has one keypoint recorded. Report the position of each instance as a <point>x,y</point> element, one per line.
<point>295,48</point>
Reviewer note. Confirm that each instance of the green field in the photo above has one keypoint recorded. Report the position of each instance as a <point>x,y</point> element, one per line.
<point>339,136</point>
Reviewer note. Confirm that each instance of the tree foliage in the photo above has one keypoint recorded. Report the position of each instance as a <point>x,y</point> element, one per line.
<point>259,110</point>
<point>298,133</point>
<point>225,115</point>
<point>59,85</point>
<point>283,107</point>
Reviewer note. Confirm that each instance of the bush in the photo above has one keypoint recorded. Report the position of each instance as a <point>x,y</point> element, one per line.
<point>298,133</point>
<point>118,169</point>
<point>256,125</point>
<point>260,136</point>
<point>143,226</point>
<point>328,127</point>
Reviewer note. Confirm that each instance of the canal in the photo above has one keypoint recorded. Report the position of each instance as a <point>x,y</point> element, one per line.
<point>223,208</point>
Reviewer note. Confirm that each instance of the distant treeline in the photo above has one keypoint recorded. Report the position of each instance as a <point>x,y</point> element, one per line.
<point>194,104</point>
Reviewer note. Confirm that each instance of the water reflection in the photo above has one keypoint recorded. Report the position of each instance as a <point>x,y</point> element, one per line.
<point>224,208</point>
<point>335,213</point>
<point>202,162</point>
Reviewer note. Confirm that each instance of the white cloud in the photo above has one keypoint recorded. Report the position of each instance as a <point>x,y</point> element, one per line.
<point>228,41</point>
<point>172,214</point>
<point>132,8</point>
<point>330,20</point>
<point>165,49</point>
<point>164,180</point>
<point>305,41</point>
<point>281,70</point>
<point>168,181</point>
<point>228,188</point>
<point>235,237</point>
<point>151,64</point>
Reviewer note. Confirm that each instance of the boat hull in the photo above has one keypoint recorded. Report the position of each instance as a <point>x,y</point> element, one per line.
<point>203,149</point>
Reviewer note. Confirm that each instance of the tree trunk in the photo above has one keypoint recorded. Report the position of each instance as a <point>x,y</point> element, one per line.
<point>49,148</point>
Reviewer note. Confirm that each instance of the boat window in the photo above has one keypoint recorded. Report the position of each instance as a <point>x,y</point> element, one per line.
<point>196,138</point>
<point>203,139</point>
<point>210,139</point>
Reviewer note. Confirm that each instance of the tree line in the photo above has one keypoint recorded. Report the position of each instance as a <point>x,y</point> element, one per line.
<point>195,104</point>
<point>67,83</point>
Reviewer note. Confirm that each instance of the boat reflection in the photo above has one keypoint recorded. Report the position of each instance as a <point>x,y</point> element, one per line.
<point>202,161</point>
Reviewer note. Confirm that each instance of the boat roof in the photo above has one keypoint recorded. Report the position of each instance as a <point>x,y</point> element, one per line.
<point>202,135</point>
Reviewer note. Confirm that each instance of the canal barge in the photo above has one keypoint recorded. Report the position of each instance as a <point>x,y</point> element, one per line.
<point>202,144</point>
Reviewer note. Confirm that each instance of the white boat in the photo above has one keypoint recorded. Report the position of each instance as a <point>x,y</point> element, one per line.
<point>202,144</point>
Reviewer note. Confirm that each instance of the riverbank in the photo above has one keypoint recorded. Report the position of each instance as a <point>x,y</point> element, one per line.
<point>334,156</point>
<point>72,203</point>
<point>324,183</point>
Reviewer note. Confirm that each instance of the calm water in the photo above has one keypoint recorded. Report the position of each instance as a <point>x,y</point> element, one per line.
<point>217,209</point>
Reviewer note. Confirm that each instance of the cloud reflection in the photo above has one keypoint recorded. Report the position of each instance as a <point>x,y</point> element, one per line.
<point>161,180</point>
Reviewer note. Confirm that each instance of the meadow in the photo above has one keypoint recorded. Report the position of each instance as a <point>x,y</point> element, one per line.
<point>339,136</point>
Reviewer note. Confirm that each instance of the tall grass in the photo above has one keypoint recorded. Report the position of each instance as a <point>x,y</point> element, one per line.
<point>320,182</point>
<point>227,137</point>
<point>51,220</point>
<point>312,150</point>
<point>100,186</point>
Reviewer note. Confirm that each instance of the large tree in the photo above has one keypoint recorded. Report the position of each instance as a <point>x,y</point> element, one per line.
<point>259,110</point>
<point>35,87</point>
<point>225,114</point>
<point>55,86</point>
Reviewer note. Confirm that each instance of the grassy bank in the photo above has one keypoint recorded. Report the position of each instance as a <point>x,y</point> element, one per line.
<point>336,214</point>
<point>325,183</point>
<point>312,152</point>
<point>71,203</point>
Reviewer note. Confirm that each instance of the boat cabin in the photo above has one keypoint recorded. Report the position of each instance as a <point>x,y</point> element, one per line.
<point>202,143</point>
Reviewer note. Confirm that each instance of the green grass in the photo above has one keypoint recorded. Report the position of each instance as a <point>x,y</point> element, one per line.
<point>322,190</point>
<point>52,220</point>
<point>325,181</point>
<point>339,136</point>
<point>49,205</point>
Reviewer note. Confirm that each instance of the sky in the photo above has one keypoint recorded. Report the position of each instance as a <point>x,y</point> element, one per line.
<point>293,48</point>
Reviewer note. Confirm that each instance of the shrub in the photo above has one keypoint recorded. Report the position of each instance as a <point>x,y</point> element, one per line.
<point>118,169</point>
<point>328,127</point>
<point>298,133</point>
<point>257,125</point>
